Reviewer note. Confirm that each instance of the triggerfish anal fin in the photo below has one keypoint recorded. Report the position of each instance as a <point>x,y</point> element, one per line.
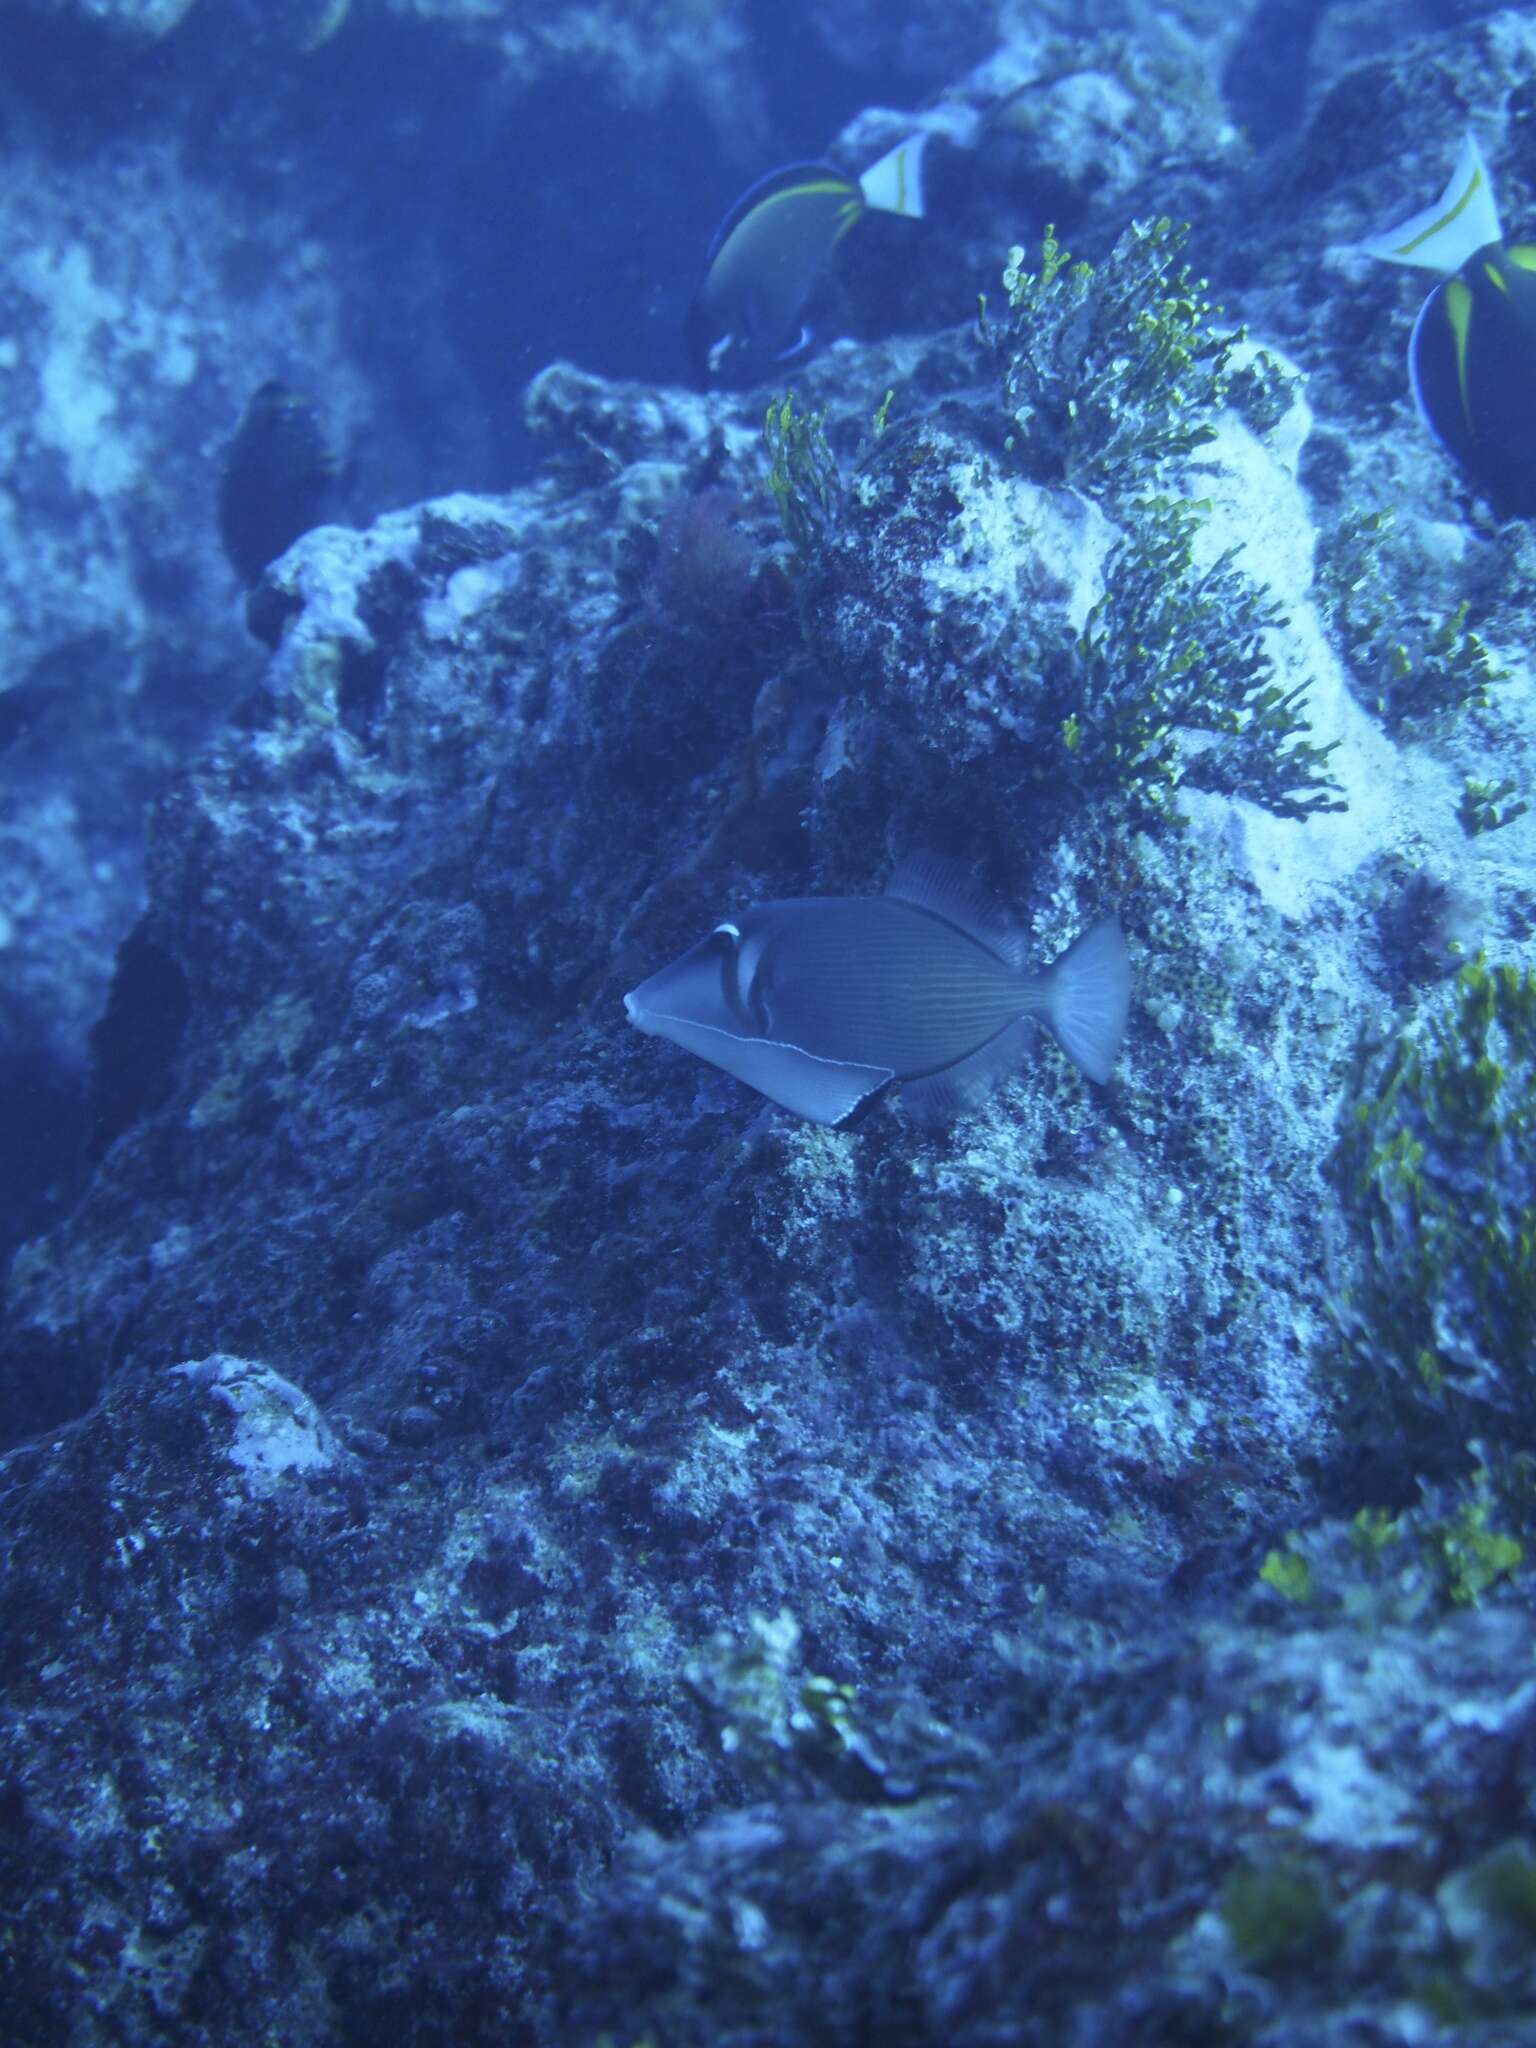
<point>1472,353</point>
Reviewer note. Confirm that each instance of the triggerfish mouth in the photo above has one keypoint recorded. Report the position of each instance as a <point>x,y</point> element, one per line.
<point>821,1002</point>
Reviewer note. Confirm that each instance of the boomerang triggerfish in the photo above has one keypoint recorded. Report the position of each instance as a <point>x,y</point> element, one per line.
<point>820,1002</point>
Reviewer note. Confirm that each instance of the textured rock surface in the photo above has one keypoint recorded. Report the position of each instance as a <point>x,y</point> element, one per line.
<point>511,1539</point>
<point>181,224</point>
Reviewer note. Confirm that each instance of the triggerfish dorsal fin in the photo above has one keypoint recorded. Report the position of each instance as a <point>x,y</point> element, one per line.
<point>1444,236</point>
<point>894,182</point>
<point>947,890</point>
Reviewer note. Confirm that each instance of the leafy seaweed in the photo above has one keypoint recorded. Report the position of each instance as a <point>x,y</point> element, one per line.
<point>1174,648</point>
<point>1408,665</point>
<point>1436,1164</point>
<point>1110,374</point>
<point>802,474</point>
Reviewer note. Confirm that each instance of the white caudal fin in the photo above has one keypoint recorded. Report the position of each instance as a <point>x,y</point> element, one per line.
<point>894,182</point>
<point>1462,220</point>
<point>1088,998</point>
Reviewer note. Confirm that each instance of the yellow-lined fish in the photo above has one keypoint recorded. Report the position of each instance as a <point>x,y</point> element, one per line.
<point>1472,355</point>
<point>771,248</point>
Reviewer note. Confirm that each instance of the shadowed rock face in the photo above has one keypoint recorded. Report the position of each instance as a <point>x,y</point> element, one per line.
<point>313,240</point>
<point>510,1539</point>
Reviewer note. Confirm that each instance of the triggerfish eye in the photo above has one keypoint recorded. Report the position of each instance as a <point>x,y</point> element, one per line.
<point>820,1002</point>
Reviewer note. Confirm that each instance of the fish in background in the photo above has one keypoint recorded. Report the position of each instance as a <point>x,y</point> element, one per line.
<point>277,481</point>
<point>771,249</point>
<point>822,1002</point>
<point>1472,354</point>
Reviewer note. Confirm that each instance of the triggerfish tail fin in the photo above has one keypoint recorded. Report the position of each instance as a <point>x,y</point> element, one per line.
<point>894,182</point>
<point>1088,998</point>
<point>1462,220</point>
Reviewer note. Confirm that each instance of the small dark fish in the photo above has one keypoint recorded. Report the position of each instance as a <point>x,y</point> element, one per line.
<point>770,250</point>
<point>1265,77</point>
<point>1472,355</point>
<point>820,1002</point>
<point>277,480</point>
<point>20,708</point>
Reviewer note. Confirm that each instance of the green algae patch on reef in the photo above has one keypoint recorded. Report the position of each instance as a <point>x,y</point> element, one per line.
<point>1170,648</point>
<point>1435,1167</point>
<point>1097,646</point>
<point>1110,375</point>
<point>1489,1907</point>
<point>1411,666</point>
<point>1275,1913</point>
<point>1451,1551</point>
<point>802,472</point>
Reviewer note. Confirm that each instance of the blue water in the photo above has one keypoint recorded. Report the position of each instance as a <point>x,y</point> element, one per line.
<point>509,1535</point>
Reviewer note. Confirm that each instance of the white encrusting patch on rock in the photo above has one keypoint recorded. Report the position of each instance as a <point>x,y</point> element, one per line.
<point>274,1429</point>
<point>78,402</point>
<point>1259,507</point>
<point>1013,535</point>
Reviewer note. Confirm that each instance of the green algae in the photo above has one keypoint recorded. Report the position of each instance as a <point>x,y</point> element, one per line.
<point>1176,646</point>
<point>1449,1551</point>
<point>1275,1913</point>
<point>1109,375</point>
<point>1410,665</point>
<point>1436,1167</point>
<point>802,472</point>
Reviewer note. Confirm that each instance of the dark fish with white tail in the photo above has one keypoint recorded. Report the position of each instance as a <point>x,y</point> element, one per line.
<point>770,250</point>
<point>822,1002</point>
<point>1472,354</point>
